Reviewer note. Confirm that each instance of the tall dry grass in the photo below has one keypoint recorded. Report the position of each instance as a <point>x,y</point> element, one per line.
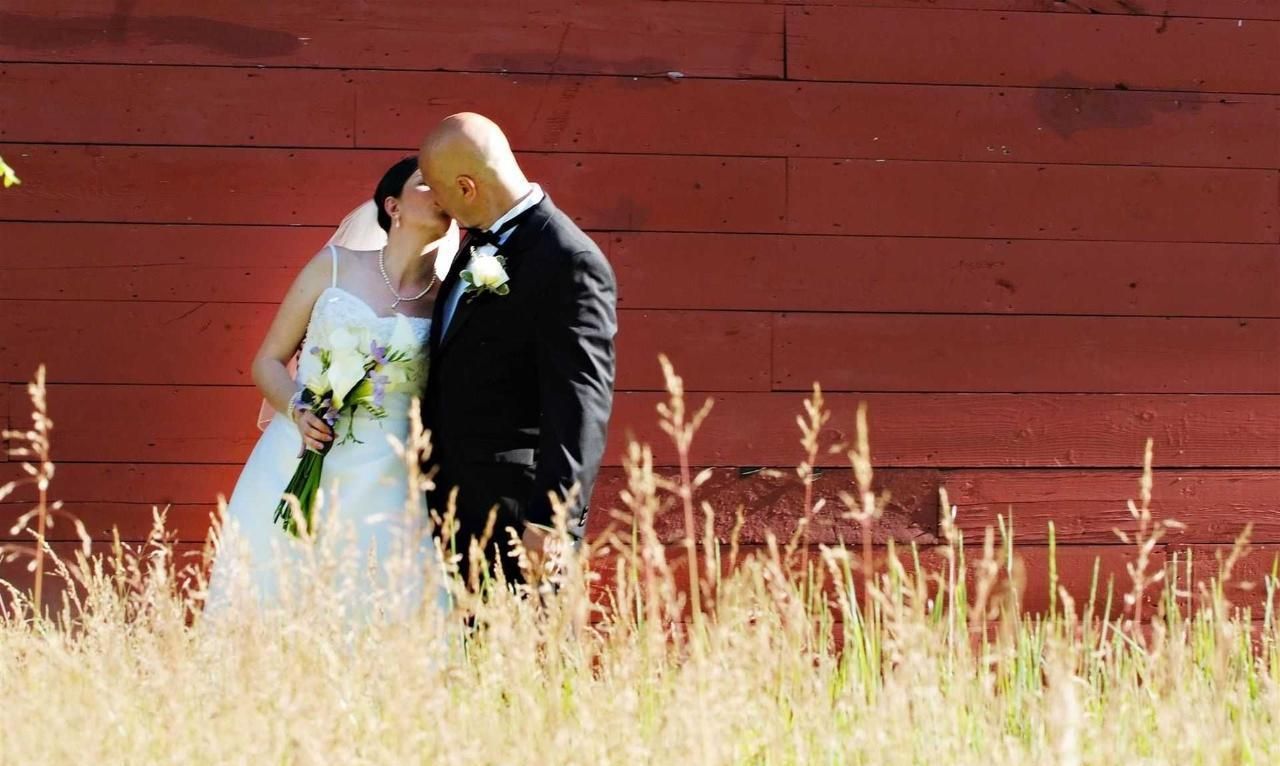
<point>633,652</point>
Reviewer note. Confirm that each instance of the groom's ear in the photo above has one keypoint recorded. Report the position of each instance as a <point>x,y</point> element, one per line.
<point>467,187</point>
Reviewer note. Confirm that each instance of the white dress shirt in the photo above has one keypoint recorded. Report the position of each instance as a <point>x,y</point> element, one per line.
<point>533,197</point>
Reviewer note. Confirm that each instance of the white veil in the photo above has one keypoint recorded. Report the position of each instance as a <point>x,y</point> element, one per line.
<point>360,230</point>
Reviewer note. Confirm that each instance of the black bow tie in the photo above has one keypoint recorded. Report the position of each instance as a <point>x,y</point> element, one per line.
<point>482,237</point>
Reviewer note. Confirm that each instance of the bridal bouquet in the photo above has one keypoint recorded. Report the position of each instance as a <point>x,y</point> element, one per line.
<point>355,374</point>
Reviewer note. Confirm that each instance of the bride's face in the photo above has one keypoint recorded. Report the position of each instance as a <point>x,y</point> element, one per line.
<point>418,206</point>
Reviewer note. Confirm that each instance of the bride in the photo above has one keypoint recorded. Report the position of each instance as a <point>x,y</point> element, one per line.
<point>371,281</point>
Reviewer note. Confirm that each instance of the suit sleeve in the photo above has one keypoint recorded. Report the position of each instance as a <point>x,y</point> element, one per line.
<point>575,334</point>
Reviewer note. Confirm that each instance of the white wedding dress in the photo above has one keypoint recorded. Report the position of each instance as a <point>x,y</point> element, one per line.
<point>363,518</point>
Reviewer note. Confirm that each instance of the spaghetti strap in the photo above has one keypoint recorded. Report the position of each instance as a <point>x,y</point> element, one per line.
<point>334,252</point>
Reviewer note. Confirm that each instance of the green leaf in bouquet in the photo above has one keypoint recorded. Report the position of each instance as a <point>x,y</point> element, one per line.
<point>304,487</point>
<point>363,390</point>
<point>379,413</point>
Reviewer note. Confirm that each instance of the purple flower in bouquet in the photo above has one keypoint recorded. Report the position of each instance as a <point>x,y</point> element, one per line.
<point>330,414</point>
<point>379,353</point>
<point>379,389</point>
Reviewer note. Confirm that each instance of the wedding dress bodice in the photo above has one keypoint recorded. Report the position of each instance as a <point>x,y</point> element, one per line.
<point>338,309</point>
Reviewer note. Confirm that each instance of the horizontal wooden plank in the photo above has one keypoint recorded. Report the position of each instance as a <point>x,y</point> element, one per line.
<point>876,274</point>
<point>175,105</point>
<point>216,424</point>
<point>979,430</point>
<point>715,350</point>
<point>941,46</point>
<point>1221,9</point>
<point>773,503</point>
<point>906,352</point>
<point>121,342</point>
<point>872,121</point>
<point>160,105</point>
<point>1088,506</point>
<point>233,264</point>
<point>319,187</point>
<point>189,343</point>
<point>1031,202</point>
<point>134,522</point>
<point>577,37</point>
<point>140,262</point>
<point>666,193</point>
<point>138,483</point>
<point>149,424</point>
<point>191,185</point>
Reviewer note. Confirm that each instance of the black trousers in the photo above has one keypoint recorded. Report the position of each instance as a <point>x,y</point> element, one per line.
<point>500,489</point>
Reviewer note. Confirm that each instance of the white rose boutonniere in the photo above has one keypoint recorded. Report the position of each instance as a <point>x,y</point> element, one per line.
<point>486,274</point>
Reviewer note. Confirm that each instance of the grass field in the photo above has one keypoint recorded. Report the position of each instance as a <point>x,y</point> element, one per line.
<point>788,657</point>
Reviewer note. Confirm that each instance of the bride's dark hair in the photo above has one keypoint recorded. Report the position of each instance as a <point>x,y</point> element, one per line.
<point>391,185</point>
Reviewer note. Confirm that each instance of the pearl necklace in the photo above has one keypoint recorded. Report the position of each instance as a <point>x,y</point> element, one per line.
<point>382,267</point>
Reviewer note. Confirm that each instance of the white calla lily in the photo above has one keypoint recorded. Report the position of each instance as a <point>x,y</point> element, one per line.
<point>343,339</point>
<point>346,369</point>
<point>318,384</point>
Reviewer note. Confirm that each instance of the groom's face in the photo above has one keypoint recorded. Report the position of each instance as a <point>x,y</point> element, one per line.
<point>452,194</point>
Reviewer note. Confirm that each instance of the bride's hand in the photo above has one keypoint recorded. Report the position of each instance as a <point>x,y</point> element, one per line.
<point>315,432</point>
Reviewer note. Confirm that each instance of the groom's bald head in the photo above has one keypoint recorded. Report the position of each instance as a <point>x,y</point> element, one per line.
<point>469,138</point>
<point>469,164</point>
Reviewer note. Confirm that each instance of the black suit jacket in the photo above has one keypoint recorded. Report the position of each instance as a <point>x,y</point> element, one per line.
<point>520,386</point>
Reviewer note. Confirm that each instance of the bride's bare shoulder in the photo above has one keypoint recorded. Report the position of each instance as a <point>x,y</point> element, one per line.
<point>320,265</point>
<point>309,282</point>
<point>318,272</point>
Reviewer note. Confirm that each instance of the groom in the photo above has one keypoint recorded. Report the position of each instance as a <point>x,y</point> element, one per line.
<point>521,373</point>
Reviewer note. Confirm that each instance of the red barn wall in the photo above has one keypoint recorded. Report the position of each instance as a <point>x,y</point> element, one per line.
<point>1030,234</point>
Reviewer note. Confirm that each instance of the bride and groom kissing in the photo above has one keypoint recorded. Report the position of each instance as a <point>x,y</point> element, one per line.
<point>509,351</point>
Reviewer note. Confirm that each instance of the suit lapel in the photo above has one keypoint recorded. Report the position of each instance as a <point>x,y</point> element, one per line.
<point>460,313</point>
<point>525,234</point>
<point>456,267</point>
